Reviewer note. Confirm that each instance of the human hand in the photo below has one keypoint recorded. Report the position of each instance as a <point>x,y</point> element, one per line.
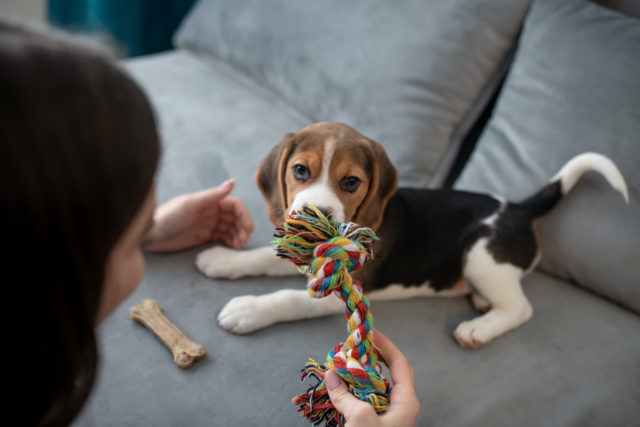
<point>404,405</point>
<point>196,218</point>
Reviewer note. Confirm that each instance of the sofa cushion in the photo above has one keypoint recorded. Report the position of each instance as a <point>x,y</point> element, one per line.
<point>574,364</point>
<point>404,73</point>
<point>573,87</point>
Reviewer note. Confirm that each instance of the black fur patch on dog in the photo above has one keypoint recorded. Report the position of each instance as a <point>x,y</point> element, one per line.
<point>425,236</point>
<point>543,201</point>
<point>512,239</point>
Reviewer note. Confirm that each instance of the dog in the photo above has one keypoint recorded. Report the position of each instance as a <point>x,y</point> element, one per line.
<point>438,242</point>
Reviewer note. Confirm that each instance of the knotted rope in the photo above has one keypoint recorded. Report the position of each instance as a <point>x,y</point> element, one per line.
<point>328,252</point>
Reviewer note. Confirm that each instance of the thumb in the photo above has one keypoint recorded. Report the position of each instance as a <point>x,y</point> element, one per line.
<point>215,194</point>
<point>344,401</point>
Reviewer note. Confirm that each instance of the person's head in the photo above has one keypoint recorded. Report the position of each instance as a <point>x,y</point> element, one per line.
<point>78,154</point>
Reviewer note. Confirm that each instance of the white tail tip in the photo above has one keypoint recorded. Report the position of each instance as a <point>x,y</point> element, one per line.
<point>574,168</point>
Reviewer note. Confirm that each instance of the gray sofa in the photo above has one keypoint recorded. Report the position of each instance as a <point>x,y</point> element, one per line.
<point>421,77</point>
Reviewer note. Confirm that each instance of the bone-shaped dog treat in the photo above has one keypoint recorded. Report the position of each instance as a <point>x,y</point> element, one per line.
<point>185,351</point>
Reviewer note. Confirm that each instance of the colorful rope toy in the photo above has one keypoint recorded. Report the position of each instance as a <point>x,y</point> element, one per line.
<point>328,252</point>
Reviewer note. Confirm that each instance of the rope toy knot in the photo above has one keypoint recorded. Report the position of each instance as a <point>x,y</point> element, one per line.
<point>328,252</point>
<point>331,263</point>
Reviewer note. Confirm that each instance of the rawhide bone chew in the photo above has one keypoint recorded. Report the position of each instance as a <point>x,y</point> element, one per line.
<point>328,252</point>
<point>184,351</point>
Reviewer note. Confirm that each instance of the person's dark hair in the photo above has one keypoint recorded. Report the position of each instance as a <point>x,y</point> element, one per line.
<point>78,154</point>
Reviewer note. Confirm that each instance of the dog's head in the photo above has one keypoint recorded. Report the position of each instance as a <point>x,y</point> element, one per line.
<point>330,166</point>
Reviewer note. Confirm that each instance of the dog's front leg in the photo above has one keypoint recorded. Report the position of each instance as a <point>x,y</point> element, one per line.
<point>221,262</point>
<point>245,314</point>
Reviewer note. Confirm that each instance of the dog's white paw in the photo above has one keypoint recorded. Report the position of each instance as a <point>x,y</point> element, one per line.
<point>221,262</point>
<point>245,314</point>
<point>473,333</point>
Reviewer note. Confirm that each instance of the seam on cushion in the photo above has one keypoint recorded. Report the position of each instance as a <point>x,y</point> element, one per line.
<point>254,86</point>
<point>577,285</point>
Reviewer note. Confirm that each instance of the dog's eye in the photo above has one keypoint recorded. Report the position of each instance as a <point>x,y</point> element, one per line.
<point>301,173</point>
<point>350,183</point>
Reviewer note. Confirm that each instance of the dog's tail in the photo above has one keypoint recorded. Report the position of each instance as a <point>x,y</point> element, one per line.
<point>545,199</point>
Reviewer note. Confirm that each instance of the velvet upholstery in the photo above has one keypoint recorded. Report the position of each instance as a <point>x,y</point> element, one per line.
<point>408,74</point>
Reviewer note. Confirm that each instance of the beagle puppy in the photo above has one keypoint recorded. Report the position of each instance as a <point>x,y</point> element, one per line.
<point>432,242</point>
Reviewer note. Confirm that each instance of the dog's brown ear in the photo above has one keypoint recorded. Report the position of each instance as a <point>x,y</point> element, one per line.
<point>383,184</point>
<point>270,178</point>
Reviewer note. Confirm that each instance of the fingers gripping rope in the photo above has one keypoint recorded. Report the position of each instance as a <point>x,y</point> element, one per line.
<point>328,252</point>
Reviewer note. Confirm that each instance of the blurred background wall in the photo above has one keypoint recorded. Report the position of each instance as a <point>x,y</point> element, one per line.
<point>131,27</point>
<point>30,9</point>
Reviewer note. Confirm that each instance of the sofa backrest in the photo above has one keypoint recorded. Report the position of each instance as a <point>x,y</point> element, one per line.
<point>574,86</point>
<point>628,7</point>
<point>412,74</point>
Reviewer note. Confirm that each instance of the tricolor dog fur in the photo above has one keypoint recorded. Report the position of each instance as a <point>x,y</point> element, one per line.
<point>432,242</point>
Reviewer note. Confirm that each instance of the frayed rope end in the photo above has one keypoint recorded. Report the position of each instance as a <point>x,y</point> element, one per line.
<point>316,406</point>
